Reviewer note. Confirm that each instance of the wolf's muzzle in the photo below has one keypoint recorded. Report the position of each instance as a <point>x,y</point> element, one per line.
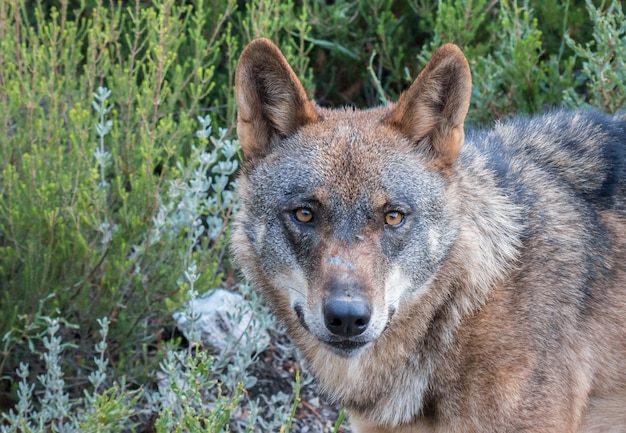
<point>346,311</point>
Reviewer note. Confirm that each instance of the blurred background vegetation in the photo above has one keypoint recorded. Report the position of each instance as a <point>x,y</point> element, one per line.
<point>112,112</point>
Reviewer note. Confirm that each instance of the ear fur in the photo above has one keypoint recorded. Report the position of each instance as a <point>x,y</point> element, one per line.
<point>432,111</point>
<point>271,101</point>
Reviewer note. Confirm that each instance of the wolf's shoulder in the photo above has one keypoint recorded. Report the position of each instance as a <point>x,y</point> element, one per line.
<point>585,150</point>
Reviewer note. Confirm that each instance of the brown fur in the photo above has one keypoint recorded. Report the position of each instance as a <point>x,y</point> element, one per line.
<point>497,305</point>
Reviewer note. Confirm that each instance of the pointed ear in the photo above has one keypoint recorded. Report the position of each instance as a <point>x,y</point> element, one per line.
<point>271,101</point>
<point>432,111</point>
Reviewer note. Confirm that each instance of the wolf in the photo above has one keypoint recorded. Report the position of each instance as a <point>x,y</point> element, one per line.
<point>438,278</point>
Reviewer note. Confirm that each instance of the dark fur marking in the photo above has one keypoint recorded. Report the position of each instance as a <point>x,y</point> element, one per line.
<point>615,155</point>
<point>429,407</point>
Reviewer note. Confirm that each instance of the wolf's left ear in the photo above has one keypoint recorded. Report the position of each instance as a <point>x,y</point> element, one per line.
<point>271,102</point>
<point>432,111</point>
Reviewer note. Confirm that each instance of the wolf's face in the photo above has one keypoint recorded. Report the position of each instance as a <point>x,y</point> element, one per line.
<point>344,215</point>
<point>346,223</point>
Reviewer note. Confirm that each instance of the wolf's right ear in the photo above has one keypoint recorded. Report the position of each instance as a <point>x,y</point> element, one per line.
<point>431,113</point>
<point>271,101</point>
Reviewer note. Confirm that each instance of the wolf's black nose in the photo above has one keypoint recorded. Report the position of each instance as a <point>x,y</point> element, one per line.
<point>346,317</point>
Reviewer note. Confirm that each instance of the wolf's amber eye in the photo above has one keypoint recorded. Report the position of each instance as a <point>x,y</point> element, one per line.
<point>394,218</point>
<point>303,215</point>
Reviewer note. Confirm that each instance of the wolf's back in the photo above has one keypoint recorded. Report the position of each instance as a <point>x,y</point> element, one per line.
<point>584,151</point>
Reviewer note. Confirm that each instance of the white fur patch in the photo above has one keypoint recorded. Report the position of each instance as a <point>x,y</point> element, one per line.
<point>434,246</point>
<point>397,285</point>
<point>294,283</point>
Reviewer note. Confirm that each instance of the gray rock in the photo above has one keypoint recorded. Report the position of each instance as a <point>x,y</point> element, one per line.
<point>225,320</point>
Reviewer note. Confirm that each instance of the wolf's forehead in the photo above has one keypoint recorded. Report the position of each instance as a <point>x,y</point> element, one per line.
<point>351,150</point>
<point>352,158</point>
<point>350,166</point>
<point>344,168</point>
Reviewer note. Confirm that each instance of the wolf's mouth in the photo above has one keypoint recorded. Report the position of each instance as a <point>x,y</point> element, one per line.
<point>345,348</point>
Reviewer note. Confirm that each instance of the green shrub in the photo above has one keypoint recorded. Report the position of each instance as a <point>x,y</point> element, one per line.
<point>603,73</point>
<point>518,51</point>
<point>82,184</point>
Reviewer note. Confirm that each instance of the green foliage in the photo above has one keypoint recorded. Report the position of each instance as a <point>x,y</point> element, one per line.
<point>195,392</point>
<point>517,75</point>
<point>109,410</point>
<point>346,34</point>
<point>511,67</point>
<point>81,185</point>
<point>517,50</point>
<point>603,72</point>
<point>187,377</point>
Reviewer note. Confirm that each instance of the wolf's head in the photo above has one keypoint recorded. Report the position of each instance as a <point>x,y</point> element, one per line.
<point>344,216</point>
